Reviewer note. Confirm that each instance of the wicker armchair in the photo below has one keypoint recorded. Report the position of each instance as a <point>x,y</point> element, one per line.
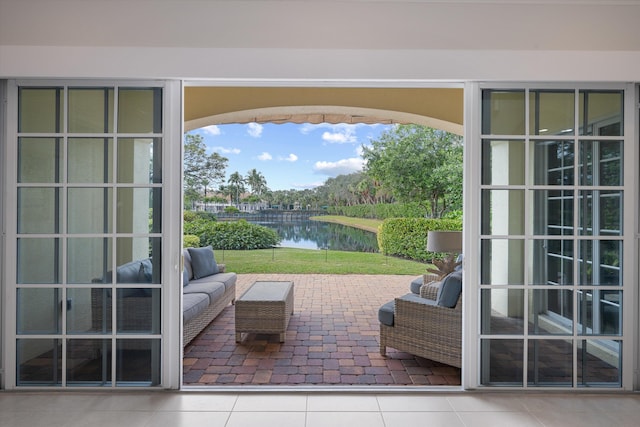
<point>424,328</point>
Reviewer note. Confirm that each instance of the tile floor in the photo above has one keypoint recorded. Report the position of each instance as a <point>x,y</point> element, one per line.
<point>332,339</point>
<point>433,409</point>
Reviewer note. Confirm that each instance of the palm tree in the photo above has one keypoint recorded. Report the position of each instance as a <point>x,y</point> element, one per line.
<point>256,182</point>
<point>236,181</point>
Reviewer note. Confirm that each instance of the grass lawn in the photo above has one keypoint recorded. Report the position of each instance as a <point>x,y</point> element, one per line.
<point>310,261</point>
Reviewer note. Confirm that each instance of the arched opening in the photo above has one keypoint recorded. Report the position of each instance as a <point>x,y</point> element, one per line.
<point>440,108</point>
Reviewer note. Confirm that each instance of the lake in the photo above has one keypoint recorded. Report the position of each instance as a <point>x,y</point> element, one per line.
<point>323,235</point>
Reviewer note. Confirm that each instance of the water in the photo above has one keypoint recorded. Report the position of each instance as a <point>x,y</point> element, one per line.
<point>323,235</point>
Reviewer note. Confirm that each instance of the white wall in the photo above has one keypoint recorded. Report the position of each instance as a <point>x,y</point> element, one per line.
<point>572,40</point>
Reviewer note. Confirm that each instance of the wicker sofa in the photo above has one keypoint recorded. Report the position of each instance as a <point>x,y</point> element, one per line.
<point>204,296</point>
<point>428,325</point>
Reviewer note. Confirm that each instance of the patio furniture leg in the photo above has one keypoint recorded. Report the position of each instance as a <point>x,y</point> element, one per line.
<point>238,336</point>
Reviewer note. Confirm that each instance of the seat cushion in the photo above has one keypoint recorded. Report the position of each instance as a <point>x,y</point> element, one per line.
<point>450,290</point>
<point>385,313</point>
<point>229,279</point>
<point>416,284</point>
<point>203,262</point>
<point>213,289</point>
<point>193,305</point>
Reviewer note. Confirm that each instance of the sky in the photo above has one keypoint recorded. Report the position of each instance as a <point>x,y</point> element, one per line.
<point>291,156</point>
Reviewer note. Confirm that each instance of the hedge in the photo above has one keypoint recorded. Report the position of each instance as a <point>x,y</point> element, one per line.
<point>407,237</point>
<point>239,235</point>
<point>381,211</point>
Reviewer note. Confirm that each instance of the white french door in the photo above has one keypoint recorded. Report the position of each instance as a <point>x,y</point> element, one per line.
<point>89,267</point>
<point>553,266</point>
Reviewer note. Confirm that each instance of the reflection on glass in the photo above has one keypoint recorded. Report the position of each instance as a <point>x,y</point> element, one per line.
<point>550,363</point>
<point>139,160</point>
<point>604,206</point>
<point>38,311</point>
<point>599,363</point>
<point>552,212</point>
<point>503,162</point>
<point>599,312</point>
<point>138,361</point>
<point>47,268</point>
<point>551,112</point>
<point>138,258</point>
<point>95,317</point>
<point>89,210</point>
<point>503,112</point>
<point>601,113</point>
<point>88,362</point>
<point>90,160</point>
<point>139,210</point>
<point>550,312</point>
<point>38,210</point>
<point>551,262</point>
<point>88,260</point>
<point>601,163</point>
<point>39,362</point>
<point>501,362</point>
<point>502,262</point>
<point>138,310</point>
<point>140,110</point>
<point>600,262</point>
<point>39,110</point>
<point>552,162</point>
<point>38,160</point>
<point>503,212</point>
<point>507,311</point>
<point>90,110</point>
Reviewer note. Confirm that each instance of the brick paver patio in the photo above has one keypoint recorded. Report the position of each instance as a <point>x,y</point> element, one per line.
<point>332,340</point>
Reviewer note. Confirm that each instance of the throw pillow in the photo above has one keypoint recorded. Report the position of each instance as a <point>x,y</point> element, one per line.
<point>203,262</point>
<point>450,290</point>
<point>185,277</point>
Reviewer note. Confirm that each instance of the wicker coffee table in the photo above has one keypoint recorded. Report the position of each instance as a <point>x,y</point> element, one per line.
<point>264,308</point>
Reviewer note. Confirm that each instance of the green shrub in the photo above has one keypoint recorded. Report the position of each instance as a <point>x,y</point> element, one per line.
<point>381,211</point>
<point>407,237</point>
<point>238,235</point>
<point>190,241</point>
<point>231,209</point>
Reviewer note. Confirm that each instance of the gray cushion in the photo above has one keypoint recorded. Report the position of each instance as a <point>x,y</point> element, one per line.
<point>185,277</point>
<point>229,279</point>
<point>385,313</point>
<point>416,284</point>
<point>145,274</point>
<point>213,289</point>
<point>450,290</point>
<point>129,272</point>
<point>187,262</point>
<point>203,262</point>
<point>193,305</point>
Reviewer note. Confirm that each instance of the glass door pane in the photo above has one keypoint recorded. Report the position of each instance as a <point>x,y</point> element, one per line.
<point>89,236</point>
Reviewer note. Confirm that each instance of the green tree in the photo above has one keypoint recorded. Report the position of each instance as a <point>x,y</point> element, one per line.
<point>418,164</point>
<point>236,183</point>
<point>202,171</point>
<point>256,182</point>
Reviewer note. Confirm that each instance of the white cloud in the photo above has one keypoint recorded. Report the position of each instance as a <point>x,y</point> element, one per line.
<point>341,167</point>
<point>265,156</point>
<point>290,158</point>
<point>254,129</point>
<point>225,150</point>
<point>212,130</point>
<point>344,136</point>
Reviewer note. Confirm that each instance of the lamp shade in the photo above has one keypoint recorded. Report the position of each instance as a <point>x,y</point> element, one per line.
<point>444,241</point>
